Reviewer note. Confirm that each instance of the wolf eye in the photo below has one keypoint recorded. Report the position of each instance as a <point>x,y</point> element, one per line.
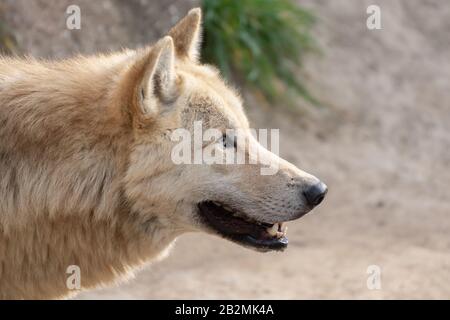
<point>228,141</point>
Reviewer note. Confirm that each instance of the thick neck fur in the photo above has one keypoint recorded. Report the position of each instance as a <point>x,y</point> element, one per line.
<point>64,151</point>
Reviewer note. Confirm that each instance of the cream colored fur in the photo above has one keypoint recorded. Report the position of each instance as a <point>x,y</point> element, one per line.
<point>86,177</point>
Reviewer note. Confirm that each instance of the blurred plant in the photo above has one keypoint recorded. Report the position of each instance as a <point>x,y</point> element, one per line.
<point>8,43</point>
<point>260,42</point>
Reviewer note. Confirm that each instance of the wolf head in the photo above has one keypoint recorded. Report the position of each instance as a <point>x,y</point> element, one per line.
<point>168,89</point>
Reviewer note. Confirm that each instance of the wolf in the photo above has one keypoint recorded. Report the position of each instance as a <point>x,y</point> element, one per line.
<point>86,173</point>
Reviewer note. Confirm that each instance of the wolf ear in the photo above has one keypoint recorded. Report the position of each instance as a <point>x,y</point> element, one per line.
<point>156,81</point>
<point>186,35</point>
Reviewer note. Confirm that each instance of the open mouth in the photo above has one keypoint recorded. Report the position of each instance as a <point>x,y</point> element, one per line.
<point>236,226</point>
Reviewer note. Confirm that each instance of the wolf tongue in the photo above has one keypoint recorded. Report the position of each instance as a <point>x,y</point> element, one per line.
<point>232,225</point>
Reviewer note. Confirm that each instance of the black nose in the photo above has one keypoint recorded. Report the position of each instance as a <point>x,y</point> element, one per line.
<point>315,194</point>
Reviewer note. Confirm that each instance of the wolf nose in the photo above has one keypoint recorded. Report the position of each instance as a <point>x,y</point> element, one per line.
<point>315,193</point>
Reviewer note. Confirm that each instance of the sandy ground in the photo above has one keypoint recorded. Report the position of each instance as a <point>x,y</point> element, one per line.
<point>381,142</point>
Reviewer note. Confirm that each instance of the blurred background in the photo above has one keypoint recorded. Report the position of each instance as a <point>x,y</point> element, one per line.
<point>367,111</point>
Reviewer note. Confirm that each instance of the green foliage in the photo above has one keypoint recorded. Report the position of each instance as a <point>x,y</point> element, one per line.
<point>261,42</point>
<point>8,44</point>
